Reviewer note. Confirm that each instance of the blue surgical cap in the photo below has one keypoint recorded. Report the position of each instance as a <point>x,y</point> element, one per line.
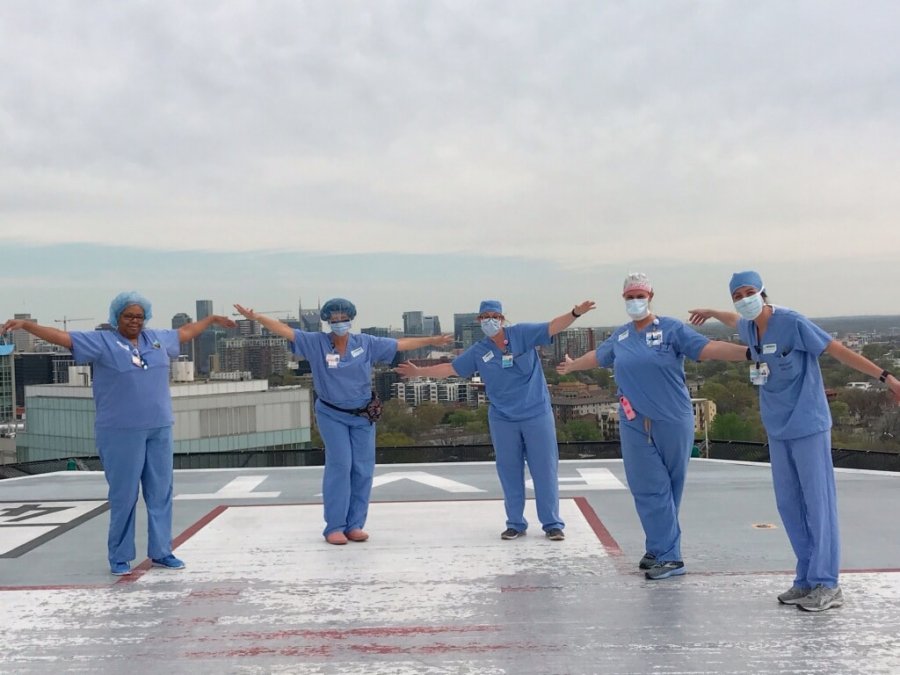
<point>126,299</point>
<point>748,278</point>
<point>490,306</point>
<point>337,306</point>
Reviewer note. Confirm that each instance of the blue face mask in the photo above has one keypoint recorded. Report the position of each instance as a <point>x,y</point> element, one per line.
<point>750,307</point>
<point>638,308</point>
<point>490,327</point>
<point>340,327</point>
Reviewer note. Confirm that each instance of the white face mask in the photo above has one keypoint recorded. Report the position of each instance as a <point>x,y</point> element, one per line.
<point>340,327</point>
<point>638,308</point>
<point>490,327</point>
<point>750,307</point>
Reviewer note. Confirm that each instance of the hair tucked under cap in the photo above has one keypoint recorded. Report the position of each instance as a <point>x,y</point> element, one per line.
<point>748,278</point>
<point>337,306</point>
<point>637,281</point>
<point>126,299</point>
<point>490,306</point>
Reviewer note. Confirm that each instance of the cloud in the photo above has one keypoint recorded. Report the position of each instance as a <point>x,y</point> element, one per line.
<point>575,133</point>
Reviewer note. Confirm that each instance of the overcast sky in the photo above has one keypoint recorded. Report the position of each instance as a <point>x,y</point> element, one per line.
<point>425,155</point>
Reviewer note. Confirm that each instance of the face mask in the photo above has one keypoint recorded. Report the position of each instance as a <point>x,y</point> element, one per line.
<point>638,308</point>
<point>750,307</point>
<point>340,327</point>
<point>490,327</point>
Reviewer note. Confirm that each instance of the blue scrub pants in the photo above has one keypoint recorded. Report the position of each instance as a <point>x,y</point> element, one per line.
<point>803,476</point>
<point>349,467</point>
<point>135,459</point>
<point>533,441</point>
<point>656,468</point>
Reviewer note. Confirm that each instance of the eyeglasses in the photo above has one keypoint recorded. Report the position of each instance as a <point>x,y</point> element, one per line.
<point>132,317</point>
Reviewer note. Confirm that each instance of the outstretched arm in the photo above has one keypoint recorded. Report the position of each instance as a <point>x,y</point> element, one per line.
<point>563,321</point>
<point>699,317</point>
<point>586,361</point>
<point>409,369</point>
<point>271,324</point>
<point>189,331</point>
<point>718,350</point>
<point>859,362</point>
<point>52,335</point>
<point>407,343</point>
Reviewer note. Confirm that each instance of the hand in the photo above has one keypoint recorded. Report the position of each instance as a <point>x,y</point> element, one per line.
<point>584,307</point>
<point>246,313</point>
<point>442,340</point>
<point>406,370</point>
<point>564,368</point>
<point>894,385</point>
<point>12,324</point>
<point>700,316</point>
<point>223,321</point>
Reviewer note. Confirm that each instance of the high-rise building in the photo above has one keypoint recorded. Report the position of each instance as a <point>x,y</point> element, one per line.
<point>431,325</point>
<point>376,331</point>
<point>572,341</point>
<point>40,368</point>
<point>310,321</point>
<point>205,344</point>
<point>179,320</point>
<point>7,384</point>
<point>204,309</point>
<point>460,320</point>
<point>261,355</point>
<point>414,323</point>
<point>22,339</point>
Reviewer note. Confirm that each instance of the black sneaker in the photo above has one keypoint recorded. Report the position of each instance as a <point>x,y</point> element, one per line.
<point>556,534</point>
<point>664,570</point>
<point>648,561</point>
<point>510,533</point>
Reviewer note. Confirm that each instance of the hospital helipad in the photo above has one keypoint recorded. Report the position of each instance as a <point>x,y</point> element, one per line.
<point>435,589</point>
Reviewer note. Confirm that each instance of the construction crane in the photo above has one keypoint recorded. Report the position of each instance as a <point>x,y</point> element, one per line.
<point>65,321</point>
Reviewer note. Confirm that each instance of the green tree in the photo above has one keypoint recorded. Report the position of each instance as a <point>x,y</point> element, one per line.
<point>430,414</point>
<point>392,439</point>
<point>733,427</point>
<point>579,430</point>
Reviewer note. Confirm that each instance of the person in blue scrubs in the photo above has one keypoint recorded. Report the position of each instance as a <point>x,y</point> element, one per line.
<point>521,421</point>
<point>656,419</point>
<point>134,418</point>
<point>784,349</point>
<point>341,364</point>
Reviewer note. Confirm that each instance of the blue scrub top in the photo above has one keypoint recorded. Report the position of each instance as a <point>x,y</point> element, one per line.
<point>350,384</point>
<point>519,392</point>
<point>126,395</point>
<point>792,402</point>
<point>649,366</point>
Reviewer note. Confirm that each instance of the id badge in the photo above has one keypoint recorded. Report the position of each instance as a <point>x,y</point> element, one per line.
<point>759,374</point>
<point>506,361</point>
<point>332,360</point>
<point>136,360</point>
<point>654,338</point>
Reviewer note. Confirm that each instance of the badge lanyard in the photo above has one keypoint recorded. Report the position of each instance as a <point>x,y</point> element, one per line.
<point>759,372</point>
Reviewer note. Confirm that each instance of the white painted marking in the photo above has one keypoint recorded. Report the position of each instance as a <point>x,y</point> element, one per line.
<point>14,537</point>
<point>44,513</point>
<point>429,479</point>
<point>240,488</point>
<point>591,479</point>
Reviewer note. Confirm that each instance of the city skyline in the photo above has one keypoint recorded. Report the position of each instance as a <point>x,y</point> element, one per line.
<point>425,159</point>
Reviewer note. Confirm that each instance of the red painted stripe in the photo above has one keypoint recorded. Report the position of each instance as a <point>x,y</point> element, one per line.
<point>606,539</point>
<point>140,570</point>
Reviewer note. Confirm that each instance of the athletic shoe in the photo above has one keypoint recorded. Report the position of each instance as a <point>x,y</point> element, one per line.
<point>666,569</point>
<point>170,562</point>
<point>556,534</point>
<point>793,595</point>
<point>511,533</point>
<point>648,561</point>
<point>120,569</point>
<point>821,598</point>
